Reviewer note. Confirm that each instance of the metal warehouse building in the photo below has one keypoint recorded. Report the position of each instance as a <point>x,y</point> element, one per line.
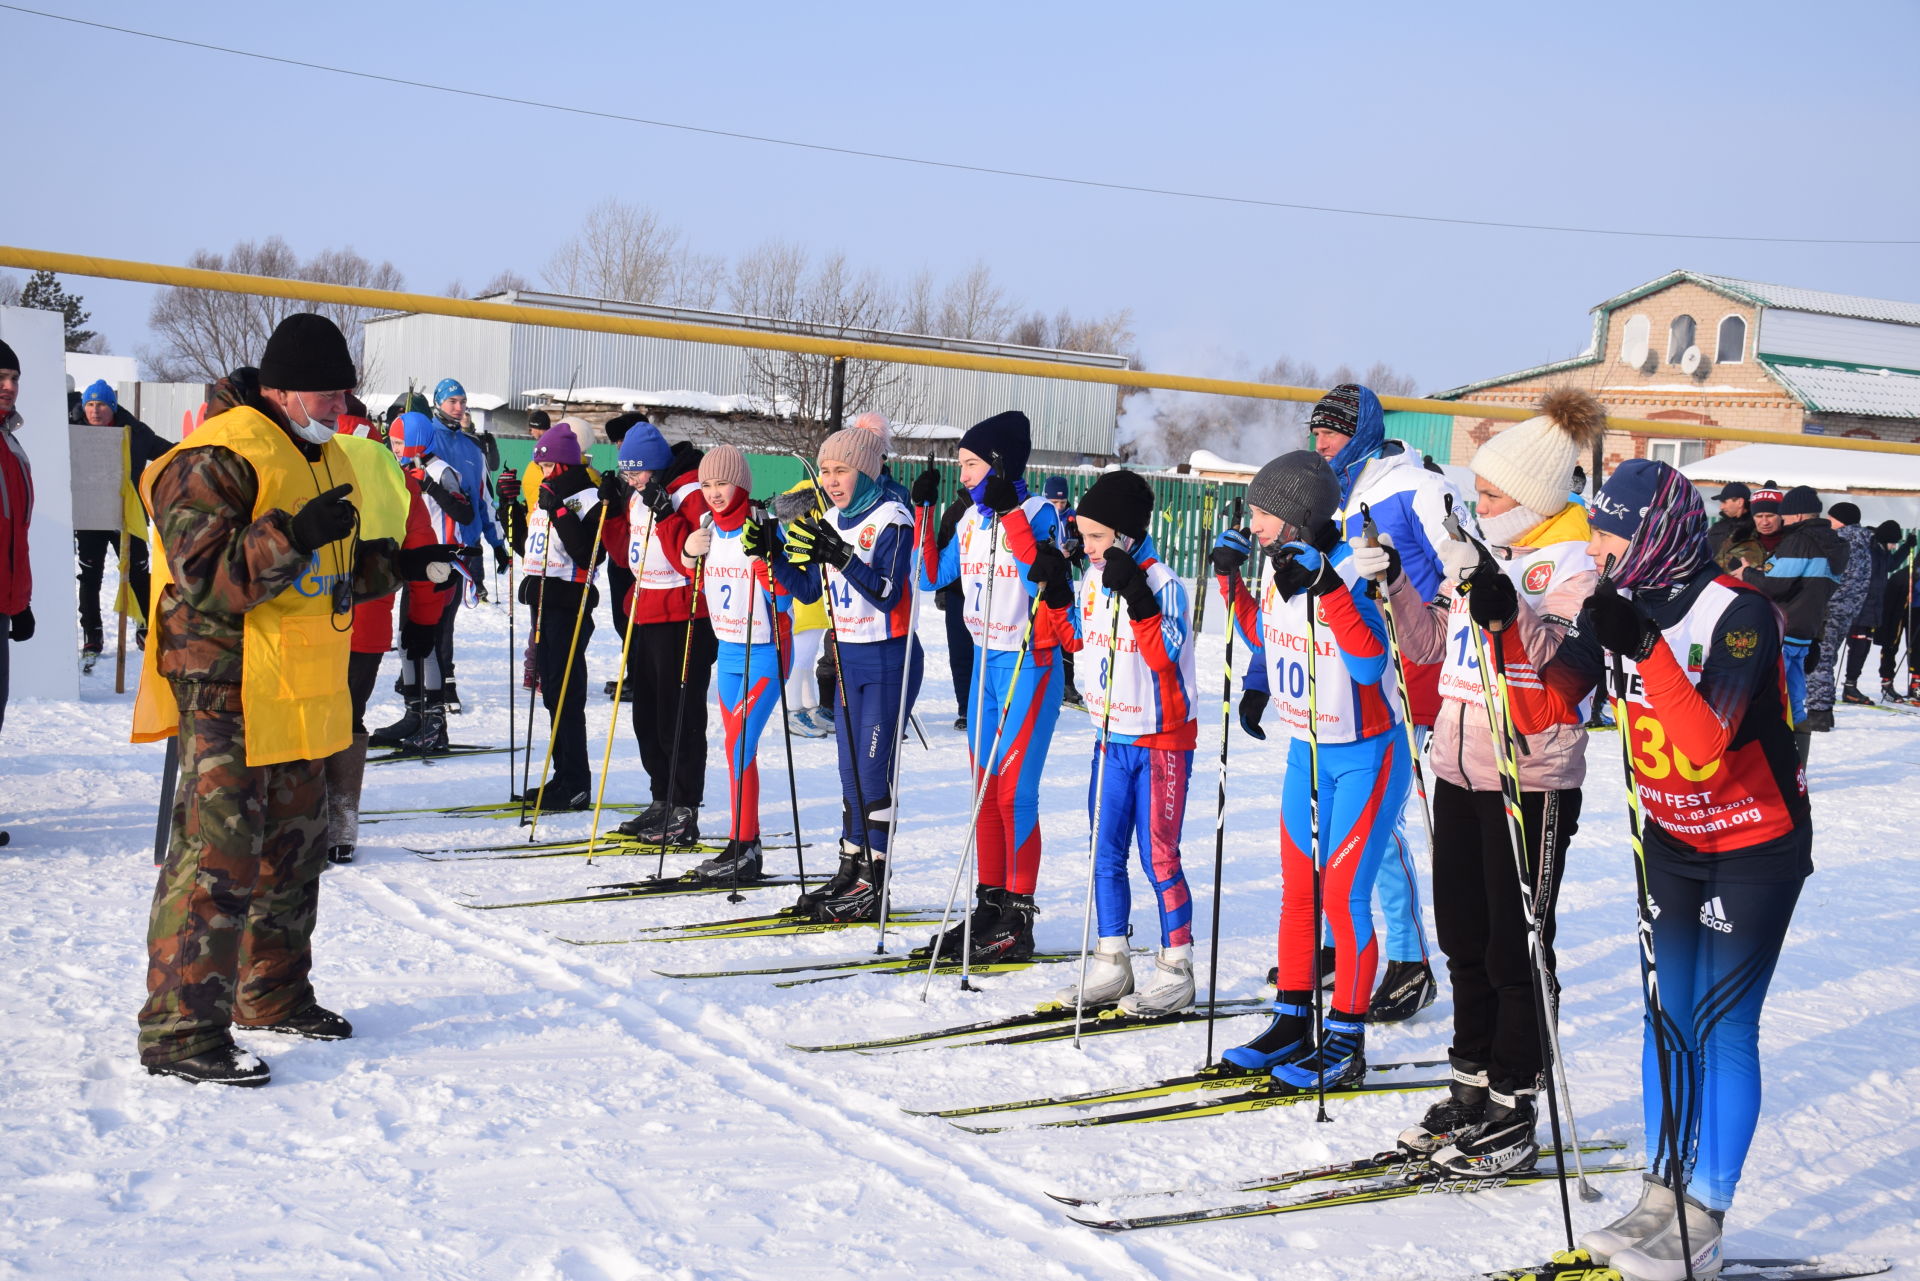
<point>1073,422</point>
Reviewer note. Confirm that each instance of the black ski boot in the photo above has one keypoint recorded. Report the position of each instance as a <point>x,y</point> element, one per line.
<point>834,886</point>
<point>1851,694</point>
<point>315,1023</point>
<point>1010,937</point>
<point>450,696</point>
<point>1501,1144</point>
<point>408,724</point>
<point>675,825</point>
<point>1889,694</point>
<point>558,797</point>
<point>646,818</point>
<point>738,863</point>
<point>1465,1105</point>
<point>860,900</point>
<point>948,946</point>
<point>1405,989</point>
<point>222,1065</point>
<point>430,738</point>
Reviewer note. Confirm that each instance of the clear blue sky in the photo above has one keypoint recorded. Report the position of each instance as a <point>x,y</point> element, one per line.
<point>1757,119</point>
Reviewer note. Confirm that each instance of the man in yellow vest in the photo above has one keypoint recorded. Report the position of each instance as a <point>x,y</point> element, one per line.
<point>261,560</point>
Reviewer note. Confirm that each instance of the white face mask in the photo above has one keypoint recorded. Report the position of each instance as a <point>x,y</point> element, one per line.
<point>313,430</point>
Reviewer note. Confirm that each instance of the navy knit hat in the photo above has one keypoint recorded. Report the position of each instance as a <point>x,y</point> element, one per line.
<point>1623,501</point>
<point>1121,500</point>
<point>1008,435</point>
<point>1056,487</point>
<point>1801,500</point>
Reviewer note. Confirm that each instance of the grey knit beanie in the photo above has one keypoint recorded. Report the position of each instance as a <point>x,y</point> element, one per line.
<point>1299,488</point>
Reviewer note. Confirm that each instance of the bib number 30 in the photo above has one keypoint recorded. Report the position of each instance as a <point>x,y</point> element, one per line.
<point>1654,758</point>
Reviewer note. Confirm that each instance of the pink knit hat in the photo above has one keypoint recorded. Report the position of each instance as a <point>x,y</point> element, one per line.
<point>858,448</point>
<point>726,462</point>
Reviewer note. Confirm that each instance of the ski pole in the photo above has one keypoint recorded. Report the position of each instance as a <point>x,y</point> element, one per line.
<point>619,683</point>
<point>793,786</point>
<point>695,585</point>
<point>737,755</point>
<point>1099,800</point>
<point>1649,972</point>
<point>1313,847</point>
<point>899,732</point>
<point>513,704</point>
<point>533,687</point>
<point>1220,810</point>
<point>566,674</point>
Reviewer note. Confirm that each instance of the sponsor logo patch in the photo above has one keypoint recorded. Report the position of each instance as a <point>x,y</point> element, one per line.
<point>1696,657</point>
<point>1537,577</point>
<point>867,536</point>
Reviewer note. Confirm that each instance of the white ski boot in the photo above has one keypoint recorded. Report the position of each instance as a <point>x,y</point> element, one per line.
<point>1660,1258</point>
<point>1171,989</point>
<point>1109,976</point>
<point>1654,1211</point>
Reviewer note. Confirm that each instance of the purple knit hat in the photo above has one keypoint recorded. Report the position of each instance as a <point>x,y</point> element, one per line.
<point>558,445</point>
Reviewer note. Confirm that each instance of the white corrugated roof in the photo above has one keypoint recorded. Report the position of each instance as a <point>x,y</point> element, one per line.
<point>1827,470</point>
<point>1819,300</point>
<point>1830,390</point>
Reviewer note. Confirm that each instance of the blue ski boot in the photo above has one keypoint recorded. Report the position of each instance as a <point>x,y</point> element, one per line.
<point>1340,1059</point>
<point>1289,1035</point>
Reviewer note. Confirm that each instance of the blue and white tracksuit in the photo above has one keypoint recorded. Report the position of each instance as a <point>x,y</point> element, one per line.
<point>1141,688</point>
<point>1018,678</point>
<point>1363,766</point>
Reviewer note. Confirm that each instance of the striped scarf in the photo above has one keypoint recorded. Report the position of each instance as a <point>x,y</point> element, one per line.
<point>1671,544</point>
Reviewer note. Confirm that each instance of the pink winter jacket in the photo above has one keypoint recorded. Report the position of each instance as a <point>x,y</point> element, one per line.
<point>1461,749</point>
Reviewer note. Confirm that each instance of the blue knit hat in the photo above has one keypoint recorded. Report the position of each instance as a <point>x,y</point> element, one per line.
<point>1008,435</point>
<point>447,387</point>
<point>643,448</point>
<point>1056,487</point>
<point>1623,501</point>
<point>99,393</point>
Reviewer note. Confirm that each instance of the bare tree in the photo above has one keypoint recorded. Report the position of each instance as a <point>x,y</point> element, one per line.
<point>505,280</point>
<point>1061,331</point>
<point>626,252</point>
<point>202,334</point>
<point>1167,427</point>
<point>974,306</point>
<point>9,290</point>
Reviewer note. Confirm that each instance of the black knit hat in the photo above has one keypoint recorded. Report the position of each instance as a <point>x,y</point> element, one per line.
<point>1008,435</point>
<point>537,421</point>
<point>1887,531</point>
<point>7,359</point>
<point>1731,490</point>
<point>307,352</point>
<point>1300,489</point>
<point>1121,500</point>
<point>1801,500</point>
<point>1338,410</point>
<point>1845,513</point>
<point>617,425</point>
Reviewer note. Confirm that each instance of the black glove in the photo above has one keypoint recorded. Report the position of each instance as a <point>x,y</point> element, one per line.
<point>950,520</point>
<point>502,558</point>
<point>757,539</point>
<point>1298,567</point>
<point>820,542</point>
<point>926,488</point>
<point>418,639</point>
<point>1049,569</point>
<point>323,520</point>
<point>1230,551</point>
<point>613,488</point>
<point>508,486</point>
<point>1491,597</point>
<point>20,626</point>
<point>1122,574</point>
<point>412,562</point>
<point>657,500</point>
<point>999,494</point>
<point>555,489</point>
<point>1253,705</point>
<point>1619,625</point>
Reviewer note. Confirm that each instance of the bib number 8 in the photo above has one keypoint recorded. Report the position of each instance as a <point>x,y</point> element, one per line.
<point>1654,759</point>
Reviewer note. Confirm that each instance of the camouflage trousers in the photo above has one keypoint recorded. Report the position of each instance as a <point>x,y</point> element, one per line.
<point>230,938</point>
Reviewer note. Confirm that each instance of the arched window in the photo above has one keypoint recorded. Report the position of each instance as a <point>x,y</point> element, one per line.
<point>1633,341</point>
<point>1732,347</point>
<point>1679,338</point>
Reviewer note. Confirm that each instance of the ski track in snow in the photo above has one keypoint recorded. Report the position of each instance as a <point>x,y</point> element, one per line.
<point>513,1106</point>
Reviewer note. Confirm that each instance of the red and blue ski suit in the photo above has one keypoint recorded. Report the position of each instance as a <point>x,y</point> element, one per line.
<point>1017,675</point>
<point>743,602</point>
<point>1363,767</point>
<point>1143,692</point>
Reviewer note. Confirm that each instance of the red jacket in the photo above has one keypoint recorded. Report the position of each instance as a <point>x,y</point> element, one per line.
<point>426,601</point>
<point>16,512</point>
<point>674,605</point>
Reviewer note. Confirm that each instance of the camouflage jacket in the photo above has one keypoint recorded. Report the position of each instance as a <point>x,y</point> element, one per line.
<point>224,562</point>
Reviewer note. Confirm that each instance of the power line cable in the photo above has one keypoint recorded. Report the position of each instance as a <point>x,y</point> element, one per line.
<point>958,166</point>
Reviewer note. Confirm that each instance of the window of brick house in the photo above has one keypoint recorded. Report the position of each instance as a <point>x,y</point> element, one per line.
<point>1732,347</point>
<point>1679,338</point>
<point>1677,453</point>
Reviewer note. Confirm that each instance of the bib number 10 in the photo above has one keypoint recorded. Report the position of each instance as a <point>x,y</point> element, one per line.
<point>1654,758</point>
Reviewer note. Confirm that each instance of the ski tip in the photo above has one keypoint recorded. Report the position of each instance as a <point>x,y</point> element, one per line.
<point>980,1129</point>
<point>1101,1225</point>
<point>1068,1200</point>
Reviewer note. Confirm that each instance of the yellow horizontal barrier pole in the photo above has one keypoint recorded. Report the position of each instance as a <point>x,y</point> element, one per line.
<point>726,336</point>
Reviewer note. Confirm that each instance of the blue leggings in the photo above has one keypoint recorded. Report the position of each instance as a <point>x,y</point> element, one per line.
<point>1398,889</point>
<point>1363,788</point>
<point>1716,944</point>
<point>759,691</point>
<point>1793,653</point>
<point>868,716</point>
<point>1145,797</point>
<point>1008,841</point>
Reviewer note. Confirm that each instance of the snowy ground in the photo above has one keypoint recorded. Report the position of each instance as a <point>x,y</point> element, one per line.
<point>514,1106</point>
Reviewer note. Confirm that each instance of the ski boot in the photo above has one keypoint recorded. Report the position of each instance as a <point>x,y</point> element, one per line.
<point>960,723</point>
<point>1913,688</point>
<point>801,722</point>
<point>408,724</point>
<point>1070,697</point>
<point>1010,936</point>
<point>1171,990</point>
<point>450,699</point>
<point>1660,1257</point>
<point>1464,1106</point>
<point>558,797</point>
<point>834,886</point>
<point>859,899</point>
<point>1888,694</point>
<point>315,1023</point>
<point>1109,977</point>
<point>1820,719</point>
<point>948,944</point>
<point>1289,1034</point>
<point>1339,1060</point>
<point>1405,989</point>
<point>430,739</point>
<point>1503,1143</point>
<point>91,650</point>
<point>1653,1212</point>
<point>738,863</point>
<point>1851,694</point>
<point>676,825</point>
<point>222,1065</point>
<point>639,823</point>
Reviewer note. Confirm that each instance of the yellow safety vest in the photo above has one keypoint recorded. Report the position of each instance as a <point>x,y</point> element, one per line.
<point>293,675</point>
<point>380,488</point>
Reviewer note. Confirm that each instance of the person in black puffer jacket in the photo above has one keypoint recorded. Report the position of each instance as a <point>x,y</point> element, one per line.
<point>1806,567</point>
